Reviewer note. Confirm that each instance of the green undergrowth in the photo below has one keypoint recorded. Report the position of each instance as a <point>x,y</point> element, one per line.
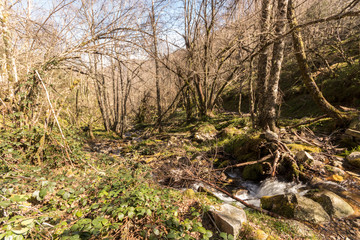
<point>83,203</point>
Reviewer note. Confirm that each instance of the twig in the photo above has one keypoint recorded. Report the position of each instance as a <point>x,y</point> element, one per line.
<point>267,157</point>
<point>67,149</point>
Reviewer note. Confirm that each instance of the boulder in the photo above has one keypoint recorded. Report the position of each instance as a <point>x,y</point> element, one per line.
<point>205,132</point>
<point>334,205</point>
<point>229,132</point>
<point>354,159</point>
<point>253,172</point>
<point>271,136</point>
<point>229,219</point>
<point>295,206</point>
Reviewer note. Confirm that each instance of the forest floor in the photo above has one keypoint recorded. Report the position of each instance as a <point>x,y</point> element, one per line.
<point>138,187</point>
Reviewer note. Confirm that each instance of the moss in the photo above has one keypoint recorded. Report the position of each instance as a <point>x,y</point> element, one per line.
<point>253,172</point>
<point>189,193</point>
<point>230,132</point>
<point>244,147</point>
<point>301,147</point>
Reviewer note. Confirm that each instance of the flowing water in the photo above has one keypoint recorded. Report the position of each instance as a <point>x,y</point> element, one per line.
<point>268,187</point>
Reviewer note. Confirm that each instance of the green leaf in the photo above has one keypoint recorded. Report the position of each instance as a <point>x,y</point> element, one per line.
<point>156,232</point>
<point>5,204</point>
<point>20,231</point>
<point>66,196</point>
<point>43,193</point>
<point>79,214</point>
<point>224,236</point>
<point>120,216</point>
<point>27,222</point>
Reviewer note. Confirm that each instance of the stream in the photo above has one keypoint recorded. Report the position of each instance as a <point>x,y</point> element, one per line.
<point>254,191</point>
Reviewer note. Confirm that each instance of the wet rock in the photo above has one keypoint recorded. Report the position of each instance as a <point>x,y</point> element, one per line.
<point>295,206</point>
<point>354,159</point>
<point>229,219</point>
<point>334,205</point>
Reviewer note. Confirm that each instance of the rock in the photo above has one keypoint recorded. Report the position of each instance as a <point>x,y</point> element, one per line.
<point>229,132</point>
<point>295,206</point>
<point>354,159</point>
<point>338,171</point>
<point>237,192</point>
<point>271,136</point>
<point>229,219</point>
<point>334,205</point>
<point>253,172</point>
<point>304,156</point>
<point>205,132</point>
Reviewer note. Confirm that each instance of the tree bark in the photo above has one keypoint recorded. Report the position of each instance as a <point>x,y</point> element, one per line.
<point>263,62</point>
<point>305,70</point>
<point>267,114</point>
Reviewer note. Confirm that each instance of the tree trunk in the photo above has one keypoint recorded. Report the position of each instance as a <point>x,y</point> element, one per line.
<point>267,115</point>
<point>157,67</point>
<point>263,63</point>
<point>305,70</point>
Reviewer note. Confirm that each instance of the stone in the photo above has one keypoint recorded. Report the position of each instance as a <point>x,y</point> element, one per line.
<point>271,136</point>
<point>229,132</point>
<point>295,206</point>
<point>253,172</point>
<point>354,159</point>
<point>229,219</point>
<point>205,132</point>
<point>334,205</point>
<point>304,156</point>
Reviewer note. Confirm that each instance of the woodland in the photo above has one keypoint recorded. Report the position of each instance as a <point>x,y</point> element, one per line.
<point>179,119</point>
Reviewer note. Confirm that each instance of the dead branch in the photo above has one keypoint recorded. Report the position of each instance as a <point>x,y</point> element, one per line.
<point>308,121</point>
<point>267,157</point>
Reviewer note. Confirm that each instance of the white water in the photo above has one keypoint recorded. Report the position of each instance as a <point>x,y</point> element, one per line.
<point>268,187</point>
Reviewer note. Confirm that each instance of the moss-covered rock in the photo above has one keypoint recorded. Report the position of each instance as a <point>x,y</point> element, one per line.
<point>230,132</point>
<point>334,205</point>
<point>204,132</point>
<point>295,206</point>
<point>253,172</point>
<point>354,159</point>
<point>245,147</point>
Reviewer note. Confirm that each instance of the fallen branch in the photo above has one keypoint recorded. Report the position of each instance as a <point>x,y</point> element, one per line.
<point>308,121</point>
<point>267,157</point>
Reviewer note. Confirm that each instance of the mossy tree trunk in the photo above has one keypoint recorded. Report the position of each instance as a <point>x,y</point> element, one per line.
<point>263,62</point>
<point>305,70</point>
<point>267,114</point>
